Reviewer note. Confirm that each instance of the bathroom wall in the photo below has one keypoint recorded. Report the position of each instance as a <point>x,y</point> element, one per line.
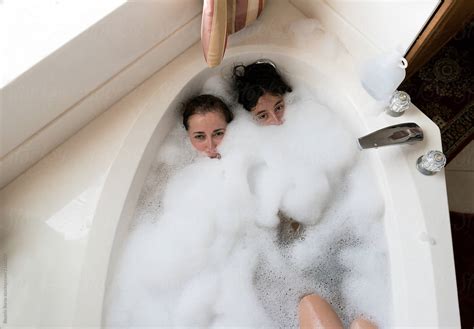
<point>385,24</point>
<point>57,96</point>
<point>460,181</point>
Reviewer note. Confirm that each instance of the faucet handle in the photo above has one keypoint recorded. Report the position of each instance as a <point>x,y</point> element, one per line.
<point>399,103</point>
<point>431,163</point>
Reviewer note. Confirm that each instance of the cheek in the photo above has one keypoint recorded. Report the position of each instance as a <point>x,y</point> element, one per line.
<point>198,145</point>
<point>218,139</point>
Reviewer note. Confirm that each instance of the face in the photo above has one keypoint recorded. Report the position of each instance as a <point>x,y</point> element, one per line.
<point>206,132</point>
<point>269,110</point>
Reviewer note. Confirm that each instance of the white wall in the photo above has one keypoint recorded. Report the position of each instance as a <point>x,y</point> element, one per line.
<point>52,86</point>
<point>386,24</point>
<point>35,29</point>
<point>52,100</point>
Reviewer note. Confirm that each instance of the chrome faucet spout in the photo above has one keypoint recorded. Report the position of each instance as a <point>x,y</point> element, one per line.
<point>404,133</point>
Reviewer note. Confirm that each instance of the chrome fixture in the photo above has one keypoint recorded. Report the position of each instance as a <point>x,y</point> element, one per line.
<point>431,163</point>
<point>404,133</point>
<point>399,103</point>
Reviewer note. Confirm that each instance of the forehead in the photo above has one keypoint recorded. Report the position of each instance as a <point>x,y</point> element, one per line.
<point>206,121</point>
<point>268,99</point>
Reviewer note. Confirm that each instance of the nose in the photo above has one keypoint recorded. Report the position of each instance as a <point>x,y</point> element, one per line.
<point>275,120</point>
<point>211,147</point>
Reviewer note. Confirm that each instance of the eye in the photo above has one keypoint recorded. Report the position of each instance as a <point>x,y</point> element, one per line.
<point>219,133</point>
<point>199,137</point>
<point>279,108</point>
<point>262,116</point>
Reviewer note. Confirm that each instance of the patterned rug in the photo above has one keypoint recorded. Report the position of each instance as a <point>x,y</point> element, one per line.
<point>462,232</point>
<point>443,89</point>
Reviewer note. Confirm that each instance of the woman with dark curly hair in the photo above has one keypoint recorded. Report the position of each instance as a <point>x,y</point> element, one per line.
<point>260,90</point>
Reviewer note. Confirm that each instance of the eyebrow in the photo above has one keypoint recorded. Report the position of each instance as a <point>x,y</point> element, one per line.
<point>202,132</point>
<point>278,103</point>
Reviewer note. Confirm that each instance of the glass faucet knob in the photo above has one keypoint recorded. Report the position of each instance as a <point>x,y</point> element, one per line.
<point>431,162</point>
<point>399,103</point>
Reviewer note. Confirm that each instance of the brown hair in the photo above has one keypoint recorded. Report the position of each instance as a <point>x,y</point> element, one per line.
<point>204,104</point>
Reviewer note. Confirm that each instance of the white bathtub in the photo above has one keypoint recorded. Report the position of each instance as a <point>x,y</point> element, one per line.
<point>416,213</point>
<point>416,210</point>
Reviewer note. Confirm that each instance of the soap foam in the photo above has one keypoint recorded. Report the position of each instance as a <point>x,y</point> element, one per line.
<point>210,255</point>
<point>208,246</point>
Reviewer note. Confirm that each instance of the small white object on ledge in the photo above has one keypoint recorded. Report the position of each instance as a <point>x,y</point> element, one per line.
<point>380,76</point>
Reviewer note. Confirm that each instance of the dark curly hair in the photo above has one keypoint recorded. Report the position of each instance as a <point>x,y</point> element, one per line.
<point>254,80</point>
<point>204,104</point>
